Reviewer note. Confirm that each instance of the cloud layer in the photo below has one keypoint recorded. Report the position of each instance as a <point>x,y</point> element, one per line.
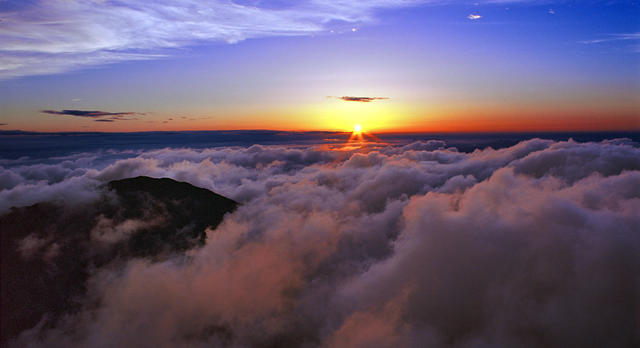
<point>391,246</point>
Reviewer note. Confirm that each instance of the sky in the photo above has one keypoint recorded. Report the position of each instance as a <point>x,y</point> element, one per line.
<point>387,65</point>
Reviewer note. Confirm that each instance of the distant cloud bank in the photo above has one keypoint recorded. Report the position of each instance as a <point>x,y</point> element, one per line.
<point>388,246</point>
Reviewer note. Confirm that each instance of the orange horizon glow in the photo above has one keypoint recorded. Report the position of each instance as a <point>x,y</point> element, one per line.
<point>371,118</point>
<point>454,127</point>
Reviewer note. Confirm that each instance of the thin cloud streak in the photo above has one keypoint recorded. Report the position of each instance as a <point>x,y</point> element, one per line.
<point>88,113</point>
<point>47,37</point>
<point>95,114</point>
<point>614,37</point>
<point>18,64</point>
<point>360,99</point>
<point>51,37</point>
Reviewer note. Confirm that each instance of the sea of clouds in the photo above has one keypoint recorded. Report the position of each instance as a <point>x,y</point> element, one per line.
<point>419,245</point>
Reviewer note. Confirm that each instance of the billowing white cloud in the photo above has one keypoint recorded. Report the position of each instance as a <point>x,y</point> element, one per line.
<point>390,246</point>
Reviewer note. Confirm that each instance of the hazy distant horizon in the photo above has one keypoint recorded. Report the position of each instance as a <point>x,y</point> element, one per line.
<point>14,144</point>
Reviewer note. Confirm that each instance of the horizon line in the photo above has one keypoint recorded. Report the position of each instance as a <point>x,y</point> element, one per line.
<point>328,131</point>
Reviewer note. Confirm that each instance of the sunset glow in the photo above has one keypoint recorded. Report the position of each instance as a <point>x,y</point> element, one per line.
<point>319,173</point>
<point>444,68</point>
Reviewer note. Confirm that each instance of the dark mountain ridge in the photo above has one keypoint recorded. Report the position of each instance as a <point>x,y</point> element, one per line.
<point>48,248</point>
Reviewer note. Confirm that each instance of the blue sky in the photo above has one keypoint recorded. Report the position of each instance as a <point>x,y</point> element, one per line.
<point>272,64</point>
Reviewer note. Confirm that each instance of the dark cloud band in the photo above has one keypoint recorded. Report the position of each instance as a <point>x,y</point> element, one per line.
<point>88,113</point>
<point>360,99</point>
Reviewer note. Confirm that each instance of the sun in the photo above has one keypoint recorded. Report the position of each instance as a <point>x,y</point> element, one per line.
<point>356,135</point>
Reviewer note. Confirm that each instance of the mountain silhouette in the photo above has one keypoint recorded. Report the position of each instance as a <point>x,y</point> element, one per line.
<point>48,249</point>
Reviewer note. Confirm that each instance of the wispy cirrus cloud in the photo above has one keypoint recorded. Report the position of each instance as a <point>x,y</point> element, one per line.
<point>47,37</point>
<point>15,64</point>
<point>44,37</point>
<point>360,99</point>
<point>630,40</point>
<point>614,37</point>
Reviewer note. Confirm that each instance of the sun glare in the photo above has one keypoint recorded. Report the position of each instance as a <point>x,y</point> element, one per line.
<point>358,135</point>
